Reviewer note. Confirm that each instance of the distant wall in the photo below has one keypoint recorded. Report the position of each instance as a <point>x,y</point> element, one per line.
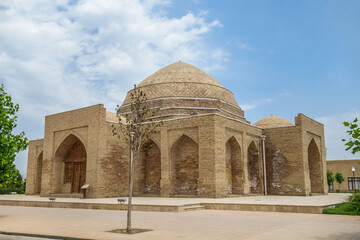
<point>344,167</point>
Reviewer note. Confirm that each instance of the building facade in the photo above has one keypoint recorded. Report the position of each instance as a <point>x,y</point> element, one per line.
<point>345,167</point>
<point>205,148</point>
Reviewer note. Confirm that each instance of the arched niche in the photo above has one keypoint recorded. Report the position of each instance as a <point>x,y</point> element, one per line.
<point>234,167</point>
<point>184,166</point>
<point>38,173</point>
<point>70,165</point>
<point>148,169</point>
<point>254,169</point>
<point>315,169</point>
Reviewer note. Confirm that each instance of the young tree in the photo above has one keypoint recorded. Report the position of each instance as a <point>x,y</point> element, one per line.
<point>10,143</point>
<point>353,143</point>
<point>339,178</point>
<point>330,178</point>
<point>135,127</point>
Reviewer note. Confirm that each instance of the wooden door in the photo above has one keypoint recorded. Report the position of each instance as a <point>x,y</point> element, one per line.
<point>82,178</point>
<point>79,176</point>
<point>76,178</point>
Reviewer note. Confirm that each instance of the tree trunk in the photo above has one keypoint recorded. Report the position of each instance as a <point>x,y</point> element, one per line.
<point>131,183</point>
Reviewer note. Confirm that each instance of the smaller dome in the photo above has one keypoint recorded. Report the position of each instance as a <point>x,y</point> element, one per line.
<point>273,122</point>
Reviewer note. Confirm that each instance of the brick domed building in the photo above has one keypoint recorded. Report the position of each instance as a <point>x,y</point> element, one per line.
<point>206,147</point>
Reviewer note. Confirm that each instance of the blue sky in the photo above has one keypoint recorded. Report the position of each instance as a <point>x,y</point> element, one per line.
<point>277,57</point>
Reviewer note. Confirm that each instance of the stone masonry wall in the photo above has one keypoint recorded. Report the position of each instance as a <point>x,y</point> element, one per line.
<point>312,130</point>
<point>34,167</point>
<point>284,161</point>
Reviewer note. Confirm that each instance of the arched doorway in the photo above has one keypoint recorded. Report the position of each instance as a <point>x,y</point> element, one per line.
<point>234,167</point>
<point>148,169</point>
<point>184,166</point>
<point>315,169</point>
<point>38,173</point>
<point>70,160</point>
<point>254,169</point>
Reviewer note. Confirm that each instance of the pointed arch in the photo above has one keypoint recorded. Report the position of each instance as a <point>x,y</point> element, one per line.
<point>234,167</point>
<point>315,169</point>
<point>180,135</point>
<point>184,166</point>
<point>148,169</point>
<point>38,173</point>
<point>71,137</point>
<point>254,169</point>
<point>70,165</point>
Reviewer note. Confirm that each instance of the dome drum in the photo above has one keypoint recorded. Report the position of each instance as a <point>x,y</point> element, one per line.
<point>181,107</point>
<point>180,89</point>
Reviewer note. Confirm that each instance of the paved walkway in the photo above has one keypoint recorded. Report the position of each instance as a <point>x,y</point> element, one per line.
<point>318,200</point>
<point>206,224</point>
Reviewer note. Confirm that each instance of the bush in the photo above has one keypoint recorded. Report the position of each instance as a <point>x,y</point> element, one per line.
<point>18,187</point>
<point>337,190</point>
<point>4,190</point>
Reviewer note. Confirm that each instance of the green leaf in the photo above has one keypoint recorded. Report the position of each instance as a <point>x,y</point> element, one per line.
<point>10,142</point>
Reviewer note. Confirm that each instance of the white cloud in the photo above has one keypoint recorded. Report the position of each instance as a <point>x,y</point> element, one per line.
<point>254,104</point>
<point>334,132</point>
<point>60,55</point>
<point>244,46</point>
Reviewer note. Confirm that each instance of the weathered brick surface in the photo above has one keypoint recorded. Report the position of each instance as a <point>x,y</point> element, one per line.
<point>148,170</point>
<point>185,166</point>
<point>288,154</point>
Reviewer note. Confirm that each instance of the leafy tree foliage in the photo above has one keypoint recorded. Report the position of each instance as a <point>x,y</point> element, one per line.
<point>353,143</point>
<point>18,186</point>
<point>330,178</point>
<point>10,143</point>
<point>135,127</point>
<point>339,178</point>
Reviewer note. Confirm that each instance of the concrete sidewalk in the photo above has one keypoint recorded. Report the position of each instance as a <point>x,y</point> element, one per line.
<point>207,224</point>
<point>317,200</point>
<point>313,204</point>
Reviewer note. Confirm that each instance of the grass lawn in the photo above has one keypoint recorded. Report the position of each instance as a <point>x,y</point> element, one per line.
<point>352,207</point>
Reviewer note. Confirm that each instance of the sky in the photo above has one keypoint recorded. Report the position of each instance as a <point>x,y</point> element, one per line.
<point>277,57</point>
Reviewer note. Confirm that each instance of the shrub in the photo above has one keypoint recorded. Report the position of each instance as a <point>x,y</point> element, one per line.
<point>4,190</point>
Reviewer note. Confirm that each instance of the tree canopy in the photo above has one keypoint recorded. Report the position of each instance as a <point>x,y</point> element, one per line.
<point>339,178</point>
<point>330,178</point>
<point>10,143</point>
<point>353,143</point>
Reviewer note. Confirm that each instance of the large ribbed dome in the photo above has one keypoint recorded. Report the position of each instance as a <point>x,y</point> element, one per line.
<point>180,72</point>
<point>272,122</point>
<point>183,80</point>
